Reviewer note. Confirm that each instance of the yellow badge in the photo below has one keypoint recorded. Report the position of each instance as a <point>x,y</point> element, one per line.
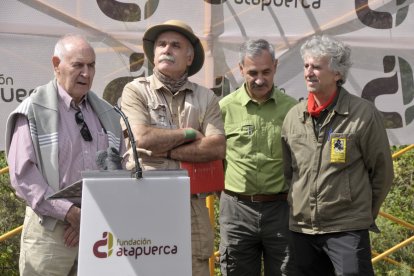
<point>338,150</point>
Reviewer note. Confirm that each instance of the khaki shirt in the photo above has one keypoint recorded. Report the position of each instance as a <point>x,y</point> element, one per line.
<point>145,101</point>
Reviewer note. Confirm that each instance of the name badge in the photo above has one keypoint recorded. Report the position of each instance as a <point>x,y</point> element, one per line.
<point>338,150</point>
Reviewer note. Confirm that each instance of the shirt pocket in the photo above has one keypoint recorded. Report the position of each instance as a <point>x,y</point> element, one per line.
<point>159,115</point>
<point>342,149</point>
<point>240,136</point>
<point>335,195</point>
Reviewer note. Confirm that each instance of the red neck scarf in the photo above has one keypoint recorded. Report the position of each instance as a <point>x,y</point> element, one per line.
<point>313,107</point>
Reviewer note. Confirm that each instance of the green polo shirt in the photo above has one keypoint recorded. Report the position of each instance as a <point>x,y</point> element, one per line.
<point>253,162</point>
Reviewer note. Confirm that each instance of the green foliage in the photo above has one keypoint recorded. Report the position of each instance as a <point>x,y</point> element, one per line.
<point>399,203</point>
<point>11,216</point>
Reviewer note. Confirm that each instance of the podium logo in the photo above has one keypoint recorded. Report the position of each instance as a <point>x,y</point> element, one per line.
<point>127,12</point>
<point>104,248</point>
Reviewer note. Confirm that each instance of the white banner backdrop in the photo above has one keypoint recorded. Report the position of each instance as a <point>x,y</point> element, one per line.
<point>380,34</point>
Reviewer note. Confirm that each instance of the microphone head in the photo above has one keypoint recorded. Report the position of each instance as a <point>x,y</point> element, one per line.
<point>113,160</point>
<point>100,159</point>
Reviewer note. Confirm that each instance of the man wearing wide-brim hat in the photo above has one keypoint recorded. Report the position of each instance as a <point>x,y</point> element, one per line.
<point>175,119</point>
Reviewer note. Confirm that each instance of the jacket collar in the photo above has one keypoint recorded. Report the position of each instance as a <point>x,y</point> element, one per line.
<point>343,104</point>
<point>341,107</point>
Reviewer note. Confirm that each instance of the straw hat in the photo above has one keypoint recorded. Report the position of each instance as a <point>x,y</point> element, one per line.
<point>180,27</point>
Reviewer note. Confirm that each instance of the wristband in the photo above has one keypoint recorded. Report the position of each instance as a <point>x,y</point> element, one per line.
<point>189,134</point>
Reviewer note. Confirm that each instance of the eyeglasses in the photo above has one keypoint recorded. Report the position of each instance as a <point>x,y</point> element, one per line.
<point>84,131</point>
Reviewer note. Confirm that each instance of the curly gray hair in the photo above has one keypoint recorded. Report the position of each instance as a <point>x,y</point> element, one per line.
<point>339,53</point>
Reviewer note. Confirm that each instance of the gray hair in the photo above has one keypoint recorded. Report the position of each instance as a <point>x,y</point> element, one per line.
<point>60,47</point>
<point>339,53</point>
<point>254,47</point>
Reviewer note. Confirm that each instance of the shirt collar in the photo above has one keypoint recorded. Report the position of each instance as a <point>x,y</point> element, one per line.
<point>67,100</point>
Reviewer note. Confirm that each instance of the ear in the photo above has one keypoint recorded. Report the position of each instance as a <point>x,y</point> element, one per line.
<point>337,76</point>
<point>190,59</point>
<point>275,64</point>
<point>241,69</point>
<point>55,62</point>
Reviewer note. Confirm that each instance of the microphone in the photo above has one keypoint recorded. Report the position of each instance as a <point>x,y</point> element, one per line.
<point>100,160</point>
<point>108,159</point>
<point>138,169</point>
<point>113,160</point>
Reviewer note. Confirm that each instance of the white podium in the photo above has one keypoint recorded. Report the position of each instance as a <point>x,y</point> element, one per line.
<point>133,227</point>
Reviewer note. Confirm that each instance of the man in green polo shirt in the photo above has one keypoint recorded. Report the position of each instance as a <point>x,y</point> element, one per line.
<point>254,212</point>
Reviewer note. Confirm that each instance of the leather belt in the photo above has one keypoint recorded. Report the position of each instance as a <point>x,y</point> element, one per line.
<point>258,198</point>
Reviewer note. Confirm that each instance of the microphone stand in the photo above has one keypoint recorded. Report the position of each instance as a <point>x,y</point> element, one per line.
<point>138,169</point>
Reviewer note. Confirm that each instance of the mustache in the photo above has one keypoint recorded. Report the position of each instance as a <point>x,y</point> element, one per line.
<point>166,57</point>
<point>255,85</point>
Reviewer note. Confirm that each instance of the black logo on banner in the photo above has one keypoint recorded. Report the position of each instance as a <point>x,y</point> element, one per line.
<point>113,90</point>
<point>221,86</point>
<point>127,12</point>
<point>378,19</point>
<point>384,86</point>
<point>215,2</point>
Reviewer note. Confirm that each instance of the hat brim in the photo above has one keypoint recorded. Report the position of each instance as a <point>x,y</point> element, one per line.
<point>153,32</point>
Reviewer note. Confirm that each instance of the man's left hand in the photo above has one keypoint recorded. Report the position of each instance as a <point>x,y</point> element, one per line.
<point>71,236</point>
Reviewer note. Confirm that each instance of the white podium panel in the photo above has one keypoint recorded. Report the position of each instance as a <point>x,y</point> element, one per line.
<point>136,227</point>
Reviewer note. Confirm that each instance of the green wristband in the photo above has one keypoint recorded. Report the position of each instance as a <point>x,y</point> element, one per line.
<point>189,134</point>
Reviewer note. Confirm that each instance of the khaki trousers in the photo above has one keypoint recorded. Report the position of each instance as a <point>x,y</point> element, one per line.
<point>202,237</point>
<point>43,252</point>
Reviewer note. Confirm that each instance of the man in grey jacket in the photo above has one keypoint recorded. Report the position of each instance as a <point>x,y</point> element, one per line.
<point>51,137</point>
<point>338,165</point>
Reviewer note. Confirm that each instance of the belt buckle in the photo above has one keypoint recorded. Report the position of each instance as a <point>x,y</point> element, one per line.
<point>252,199</point>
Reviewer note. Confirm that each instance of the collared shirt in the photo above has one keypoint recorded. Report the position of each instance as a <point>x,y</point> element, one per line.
<point>75,156</point>
<point>254,157</point>
<point>318,121</point>
<point>146,101</point>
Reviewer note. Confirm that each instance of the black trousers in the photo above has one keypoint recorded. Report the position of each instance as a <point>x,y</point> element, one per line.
<point>342,253</point>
